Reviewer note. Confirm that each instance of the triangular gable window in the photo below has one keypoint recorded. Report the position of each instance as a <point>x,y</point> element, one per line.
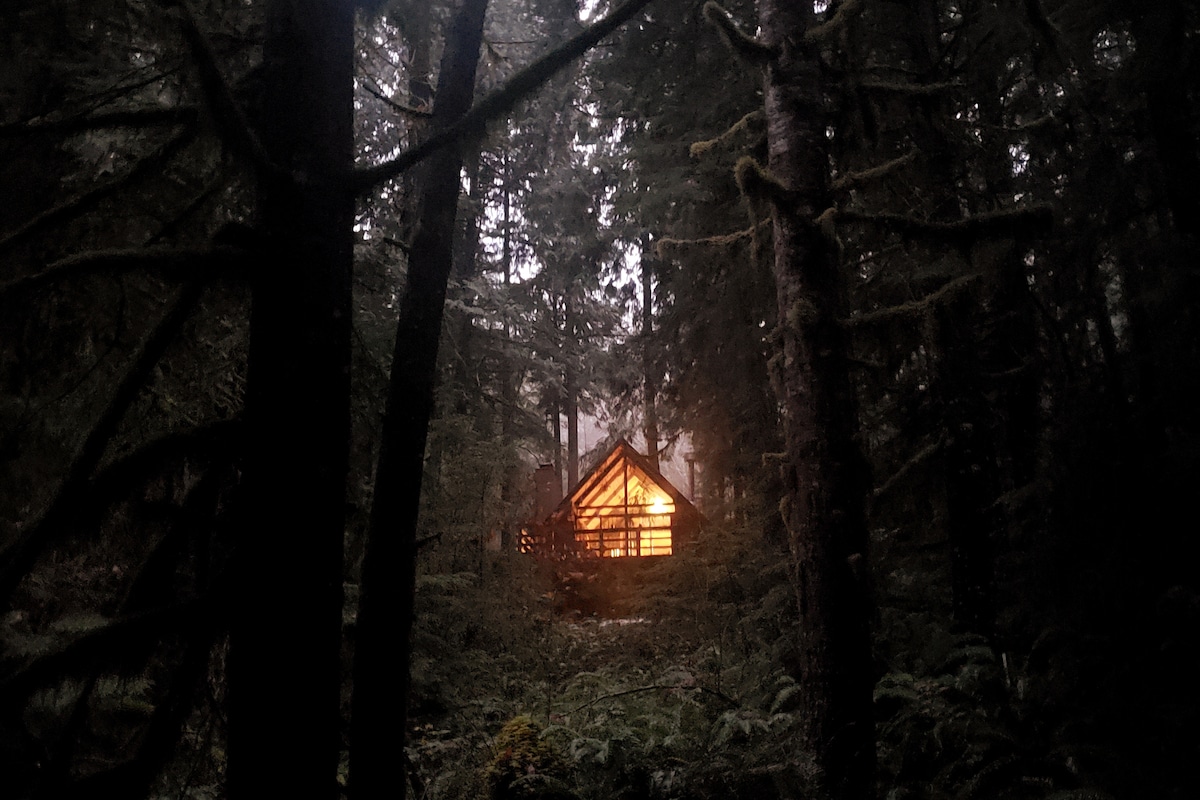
<point>623,512</point>
<point>624,507</point>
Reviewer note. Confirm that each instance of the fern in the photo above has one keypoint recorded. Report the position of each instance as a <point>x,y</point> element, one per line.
<point>786,699</point>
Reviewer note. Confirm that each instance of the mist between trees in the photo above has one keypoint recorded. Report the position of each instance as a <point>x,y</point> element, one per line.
<point>295,296</point>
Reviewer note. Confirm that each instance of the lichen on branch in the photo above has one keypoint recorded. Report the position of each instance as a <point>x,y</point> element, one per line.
<point>756,118</point>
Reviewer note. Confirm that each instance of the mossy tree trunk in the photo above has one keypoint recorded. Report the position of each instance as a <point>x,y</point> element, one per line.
<point>824,477</point>
<point>285,634</point>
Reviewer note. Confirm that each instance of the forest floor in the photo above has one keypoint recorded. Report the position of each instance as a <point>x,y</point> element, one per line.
<point>639,677</point>
<point>670,679</point>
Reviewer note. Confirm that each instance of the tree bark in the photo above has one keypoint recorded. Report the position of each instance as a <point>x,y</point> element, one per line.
<point>385,614</point>
<point>571,394</point>
<point>823,472</point>
<point>509,378</point>
<point>285,630</point>
<point>649,371</point>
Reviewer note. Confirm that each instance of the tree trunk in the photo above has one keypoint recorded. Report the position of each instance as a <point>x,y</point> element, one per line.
<point>509,379</point>
<point>649,372</point>
<point>285,633</point>
<point>385,614</point>
<point>823,472</point>
<point>571,396</point>
<point>555,414</point>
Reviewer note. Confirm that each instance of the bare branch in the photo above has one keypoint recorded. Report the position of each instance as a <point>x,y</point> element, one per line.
<point>747,47</point>
<point>226,111</point>
<point>500,101</point>
<point>374,90</point>
<point>654,688</point>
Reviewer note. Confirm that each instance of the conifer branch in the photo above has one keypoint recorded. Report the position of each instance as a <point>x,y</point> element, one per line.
<point>923,455</point>
<point>159,742</point>
<point>699,149</point>
<point>720,240</point>
<point>228,114</point>
<point>110,639</point>
<point>1033,219</point>
<point>906,311</point>
<point>214,440</point>
<point>756,183</point>
<point>127,118</point>
<point>82,202</point>
<point>25,546</point>
<point>853,179</point>
<point>745,46</point>
<point>911,89</point>
<point>835,24</point>
<point>500,101</point>
<point>186,262</point>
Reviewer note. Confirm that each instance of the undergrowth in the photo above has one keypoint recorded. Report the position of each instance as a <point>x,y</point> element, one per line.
<point>669,680</point>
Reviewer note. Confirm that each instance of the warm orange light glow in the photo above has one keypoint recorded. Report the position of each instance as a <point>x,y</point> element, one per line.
<point>621,511</point>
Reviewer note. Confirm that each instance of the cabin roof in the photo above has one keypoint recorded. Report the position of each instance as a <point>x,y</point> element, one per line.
<point>609,472</point>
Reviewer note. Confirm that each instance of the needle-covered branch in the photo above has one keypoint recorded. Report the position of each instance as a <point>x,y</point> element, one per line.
<point>109,640</point>
<point>909,89</point>
<point>220,440</point>
<point>908,467</point>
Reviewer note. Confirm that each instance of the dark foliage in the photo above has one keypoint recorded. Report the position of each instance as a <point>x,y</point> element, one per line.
<point>993,248</point>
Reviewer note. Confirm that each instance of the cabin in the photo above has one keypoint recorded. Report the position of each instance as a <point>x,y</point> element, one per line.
<point>623,508</point>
